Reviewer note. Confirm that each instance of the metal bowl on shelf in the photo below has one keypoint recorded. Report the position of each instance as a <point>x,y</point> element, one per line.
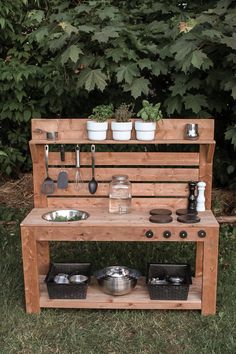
<point>61,278</point>
<point>78,279</point>
<point>117,280</point>
<point>65,215</point>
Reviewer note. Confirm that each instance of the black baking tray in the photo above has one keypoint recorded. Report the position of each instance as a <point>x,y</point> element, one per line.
<point>169,291</point>
<point>67,291</point>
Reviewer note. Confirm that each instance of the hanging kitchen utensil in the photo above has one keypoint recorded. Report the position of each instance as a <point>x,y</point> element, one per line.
<point>62,179</point>
<point>48,184</point>
<point>78,177</point>
<point>93,184</point>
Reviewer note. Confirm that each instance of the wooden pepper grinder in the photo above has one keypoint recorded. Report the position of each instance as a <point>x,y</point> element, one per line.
<point>192,200</point>
<point>191,216</point>
<point>192,205</point>
<point>201,196</point>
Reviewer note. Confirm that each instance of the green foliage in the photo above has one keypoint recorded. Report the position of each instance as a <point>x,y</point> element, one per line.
<point>230,134</point>
<point>225,168</point>
<point>102,112</point>
<point>150,112</point>
<point>124,112</point>
<point>61,58</point>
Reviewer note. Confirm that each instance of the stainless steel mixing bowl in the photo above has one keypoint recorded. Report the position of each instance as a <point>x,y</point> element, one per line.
<point>117,280</point>
<point>78,279</point>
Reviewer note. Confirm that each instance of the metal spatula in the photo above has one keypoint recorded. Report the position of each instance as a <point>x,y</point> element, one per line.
<point>78,177</point>
<point>62,179</point>
<point>48,184</point>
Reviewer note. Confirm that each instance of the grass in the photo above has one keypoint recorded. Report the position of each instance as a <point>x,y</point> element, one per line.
<point>113,331</point>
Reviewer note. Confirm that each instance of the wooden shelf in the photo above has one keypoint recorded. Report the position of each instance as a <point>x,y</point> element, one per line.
<point>125,142</point>
<point>137,299</point>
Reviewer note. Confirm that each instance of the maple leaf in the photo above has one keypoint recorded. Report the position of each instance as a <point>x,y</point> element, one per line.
<point>139,86</point>
<point>198,58</point>
<point>73,53</point>
<point>91,78</point>
<point>127,73</point>
<point>195,102</point>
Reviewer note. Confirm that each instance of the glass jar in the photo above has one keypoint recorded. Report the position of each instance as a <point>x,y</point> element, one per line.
<point>120,195</point>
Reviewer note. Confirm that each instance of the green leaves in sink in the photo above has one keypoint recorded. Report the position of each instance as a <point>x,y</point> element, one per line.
<point>64,218</point>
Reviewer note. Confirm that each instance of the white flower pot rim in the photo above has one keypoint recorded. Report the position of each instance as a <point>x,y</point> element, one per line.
<point>145,126</point>
<point>121,126</point>
<point>97,126</point>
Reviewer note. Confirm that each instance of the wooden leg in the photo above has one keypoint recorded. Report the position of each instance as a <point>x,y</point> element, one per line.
<point>199,259</point>
<point>43,257</point>
<point>209,280</point>
<point>30,269</point>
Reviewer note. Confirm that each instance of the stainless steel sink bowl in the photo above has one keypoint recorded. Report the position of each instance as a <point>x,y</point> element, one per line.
<point>65,215</point>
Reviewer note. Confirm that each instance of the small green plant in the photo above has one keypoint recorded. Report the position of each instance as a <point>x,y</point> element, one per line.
<point>150,112</point>
<point>124,112</point>
<point>102,112</point>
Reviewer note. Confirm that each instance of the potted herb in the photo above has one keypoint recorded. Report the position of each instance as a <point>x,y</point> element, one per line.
<point>97,125</point>
<point>122,126</point>
<point>150,114</point>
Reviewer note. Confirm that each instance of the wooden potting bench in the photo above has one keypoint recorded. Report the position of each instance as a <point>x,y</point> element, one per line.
<point>159,179</point>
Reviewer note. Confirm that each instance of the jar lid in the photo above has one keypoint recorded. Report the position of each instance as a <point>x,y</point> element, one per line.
<point>120,177</point>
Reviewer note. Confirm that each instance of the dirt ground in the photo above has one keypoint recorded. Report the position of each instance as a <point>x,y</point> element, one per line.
<point>19,194</point>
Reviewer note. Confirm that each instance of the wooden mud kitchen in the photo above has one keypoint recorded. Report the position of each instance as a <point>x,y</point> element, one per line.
<point>160,179</point>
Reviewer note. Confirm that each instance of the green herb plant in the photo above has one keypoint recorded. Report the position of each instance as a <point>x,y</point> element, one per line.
<point>150,112</point>
<point>102,112</point>
<point>124,112</point>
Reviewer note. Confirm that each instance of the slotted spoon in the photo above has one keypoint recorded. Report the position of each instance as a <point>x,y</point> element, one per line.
<point>62,179</point>
<point>48,186</point>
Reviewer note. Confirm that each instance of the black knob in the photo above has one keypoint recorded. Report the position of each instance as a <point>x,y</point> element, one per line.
<point>149,234</point>
<point>166,234</point>
<point>183,234</point>
<point>201,233</point>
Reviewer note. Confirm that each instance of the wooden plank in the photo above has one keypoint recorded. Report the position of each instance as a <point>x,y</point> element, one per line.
<point>30,269</point>
<point>115,233</point>
<point>205,174</point>
<point>39,174</point>
<point>199,259</point>
<point>139,174</point>
<point>102,217</point>
<point>209,280</point>
<point>76,128</point>
<point>138,189</point>
<point>137,299</point>
<point>103,203</point>
<point>128,158</point>
<point>43,257</point>
<point>210,153</point>
<point>76,141</point>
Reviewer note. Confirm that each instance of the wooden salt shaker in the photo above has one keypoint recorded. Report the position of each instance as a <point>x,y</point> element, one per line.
<point>201,197</point>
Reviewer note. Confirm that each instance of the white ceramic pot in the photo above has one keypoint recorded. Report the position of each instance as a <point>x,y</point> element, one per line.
<point>121,130</point>
<point>97,130</point>
<point>145,130</point>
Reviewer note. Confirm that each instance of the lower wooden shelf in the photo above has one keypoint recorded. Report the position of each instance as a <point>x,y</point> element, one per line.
<point>137,299</point>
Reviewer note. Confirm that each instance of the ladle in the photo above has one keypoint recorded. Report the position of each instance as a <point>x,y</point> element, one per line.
<point>93,184</point>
